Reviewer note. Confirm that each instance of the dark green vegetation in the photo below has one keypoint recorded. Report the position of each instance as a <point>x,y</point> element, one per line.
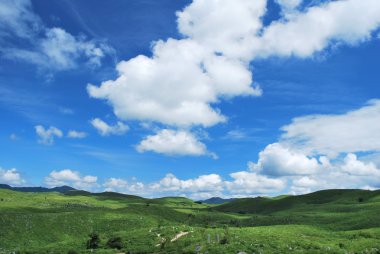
<point>331,221</point>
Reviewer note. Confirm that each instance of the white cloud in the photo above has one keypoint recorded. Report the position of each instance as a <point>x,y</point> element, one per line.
<point>71,178</point>
<point>10,176</point>
<point>223,26</point>
<point>249,183</point>
<point>349,173</point>
<point>202,186</point>
<point>305,33</point>
<point>178,84</point>
<point>183,81</point>
<point>122,186</point>
<point>17,17</point>
<point>49,48</point>
<point>236,135</point>
<point>353,166</point>
<point>46,136</point>
<point>354,131</point>
<point>172,142</point>
<point>76,134</point>
<point>277,160</point>
<point>105,130</point>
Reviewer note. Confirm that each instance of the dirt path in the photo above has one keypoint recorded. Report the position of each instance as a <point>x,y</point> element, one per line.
<point>179,235</point>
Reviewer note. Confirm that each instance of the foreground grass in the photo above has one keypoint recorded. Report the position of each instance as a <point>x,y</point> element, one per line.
<point>57,223</point>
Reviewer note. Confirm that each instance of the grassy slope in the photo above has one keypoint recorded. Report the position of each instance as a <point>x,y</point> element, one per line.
<point>323,222</point>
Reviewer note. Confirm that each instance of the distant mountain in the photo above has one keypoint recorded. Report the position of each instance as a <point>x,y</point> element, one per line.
<point>61,189</point>
<point>217,201</point>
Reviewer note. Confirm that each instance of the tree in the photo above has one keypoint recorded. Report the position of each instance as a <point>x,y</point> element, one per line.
<point>94,241</point>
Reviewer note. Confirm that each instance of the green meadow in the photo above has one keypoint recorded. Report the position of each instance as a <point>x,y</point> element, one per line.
<point>330,221</point>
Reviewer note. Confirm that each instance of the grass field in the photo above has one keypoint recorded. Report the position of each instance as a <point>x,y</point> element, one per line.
<point>331,221</point>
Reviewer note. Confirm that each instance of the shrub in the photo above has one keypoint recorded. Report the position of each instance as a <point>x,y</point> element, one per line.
<point>72,252</point>
<point>94,241</point>
<point>115,243</point>
<point>224,240</point>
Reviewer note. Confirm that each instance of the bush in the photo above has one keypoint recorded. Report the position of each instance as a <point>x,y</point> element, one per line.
<point>94,241</point>
<point>115,243</point>
<point>72,252</point>
<point>224,240</point>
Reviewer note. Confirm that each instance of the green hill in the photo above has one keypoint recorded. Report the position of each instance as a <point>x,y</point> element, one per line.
<point>323,198</point>
<point>331,221</point>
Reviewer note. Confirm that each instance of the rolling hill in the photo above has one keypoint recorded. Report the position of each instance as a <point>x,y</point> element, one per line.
<point>330,221</point>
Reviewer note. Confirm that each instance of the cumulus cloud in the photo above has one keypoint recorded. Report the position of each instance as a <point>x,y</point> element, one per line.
<point>322,151</point>
<point>178,84</point>
<point>122,186</point>
<point>49,48</point>
<point>349,172</point>
<point>202,186</point>
<point>10,176</point>
<point>249,183</point>
<point>278,160</point>
<point>351,132</point>
<point>76,134</point>
<point>173,142</point>
<point>46,136</point>
<point>355,167</point>
<point>105,130</point>
<point>183,81</point>
<point>71,178</point>
<point>305,33</point>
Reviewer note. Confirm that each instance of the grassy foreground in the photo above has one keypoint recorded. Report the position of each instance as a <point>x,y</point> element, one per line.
<point>331,221</point>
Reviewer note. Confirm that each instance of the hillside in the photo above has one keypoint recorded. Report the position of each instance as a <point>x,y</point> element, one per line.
<point>331,221</point>
<point>324,198</point>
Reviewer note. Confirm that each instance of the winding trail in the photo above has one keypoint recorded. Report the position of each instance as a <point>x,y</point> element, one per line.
<point>179,235</point>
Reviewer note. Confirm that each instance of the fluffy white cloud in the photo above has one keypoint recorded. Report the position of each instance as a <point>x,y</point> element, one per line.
<point>249,183</point>
<point>56,49</point>
<point>71,178</point>
<point>354,131</point>
<point>122,186</point>
<point>201,187</point>
<point>105,130</point>
<point>223,26</point>
<point>46,136</point>
<point>172,142</point>
<point>76,134</point>
<point>353,166</point>
<point>178,84</point>
<point>305,33</point>
<point>183,81</point>
<point>278,160</point>
<point>10,176</point>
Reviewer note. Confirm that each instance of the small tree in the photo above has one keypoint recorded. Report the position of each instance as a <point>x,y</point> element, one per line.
<point>94,241</point>
<point>115,243</point>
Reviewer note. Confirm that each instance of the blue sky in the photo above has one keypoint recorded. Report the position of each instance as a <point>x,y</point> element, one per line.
<point>219,98</point>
